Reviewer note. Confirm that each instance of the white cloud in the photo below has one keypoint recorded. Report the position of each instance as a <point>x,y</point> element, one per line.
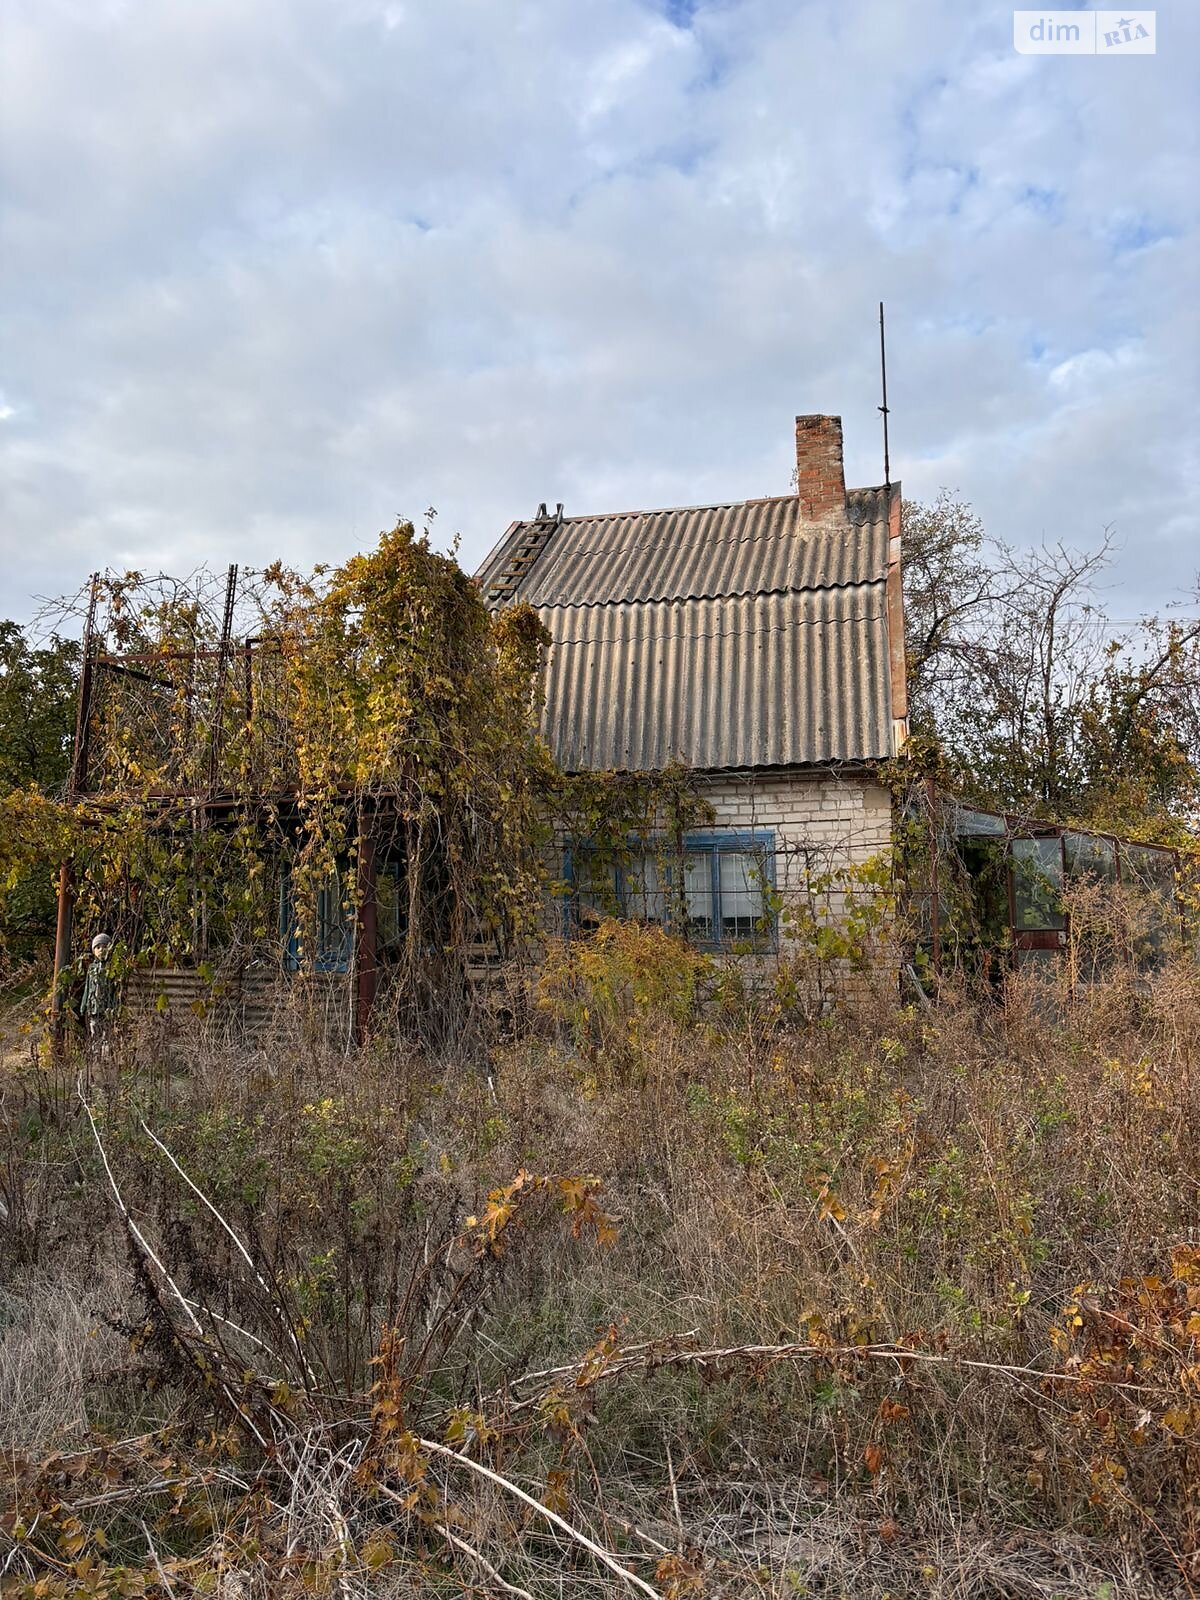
<point>280,270</point>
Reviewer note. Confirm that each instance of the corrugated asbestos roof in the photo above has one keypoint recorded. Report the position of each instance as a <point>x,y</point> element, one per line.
<point>726,636</point>
<point>698,552</point>
<point>756,680</point>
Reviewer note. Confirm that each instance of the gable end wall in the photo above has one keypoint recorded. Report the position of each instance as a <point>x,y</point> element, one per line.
<point>841,820</point>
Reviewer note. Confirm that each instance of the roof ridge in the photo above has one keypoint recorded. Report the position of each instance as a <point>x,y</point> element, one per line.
<point>708,540</point>
<point>704,505</point>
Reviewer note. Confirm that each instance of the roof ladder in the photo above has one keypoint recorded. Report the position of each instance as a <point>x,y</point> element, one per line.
<point>531,541</point>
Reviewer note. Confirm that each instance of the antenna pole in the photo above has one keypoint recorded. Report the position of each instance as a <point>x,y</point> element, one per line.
<point>887,466</point>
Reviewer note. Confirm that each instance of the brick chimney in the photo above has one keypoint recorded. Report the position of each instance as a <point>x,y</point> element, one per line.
<point>820,479</point>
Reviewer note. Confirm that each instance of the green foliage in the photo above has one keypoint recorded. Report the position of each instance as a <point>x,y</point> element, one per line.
<point>37,717</point>
<point>1141,737</point>
<point>406,693</point>
<point>611,817</point>
<point>839,926</point>
<point>37,709</point>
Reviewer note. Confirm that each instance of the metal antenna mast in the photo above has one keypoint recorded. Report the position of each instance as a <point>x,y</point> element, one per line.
<point>887,466</point>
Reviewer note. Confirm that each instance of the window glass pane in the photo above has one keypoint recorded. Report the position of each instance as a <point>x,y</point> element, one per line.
<point>1037,883</point>
<point>595,888</point>
<point>1150,873</point>
<point>1147,868</point>
<point>387,905</point>
<point>645,894</point>
<point>1092,865</point>
<point>971,824</point>
<point>1090,857</point>
<point>333,925</point>
<point>741,894</point>
<point>697,893</point>
<point>1042,964</point>
<point>323,940</point>
<point>591,908</point>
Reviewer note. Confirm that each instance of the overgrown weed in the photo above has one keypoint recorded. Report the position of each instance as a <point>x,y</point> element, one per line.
<point>898,1302</point>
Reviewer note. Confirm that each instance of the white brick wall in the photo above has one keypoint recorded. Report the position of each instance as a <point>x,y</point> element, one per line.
<point>820,823</point>
<point>828,821</point>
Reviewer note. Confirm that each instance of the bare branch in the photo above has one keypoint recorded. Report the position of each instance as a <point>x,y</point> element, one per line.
<point>601,1555</point>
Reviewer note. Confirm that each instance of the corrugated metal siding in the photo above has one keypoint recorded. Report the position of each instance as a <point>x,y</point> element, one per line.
<point>252,1002</point>
<point>752,547</point>
<point>757,680</point>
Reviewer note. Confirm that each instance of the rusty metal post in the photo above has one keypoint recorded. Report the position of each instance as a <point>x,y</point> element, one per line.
<point>366,940</point>
<point>76,783</point>
<point>935,903</point>
<point>62,945</point>
<point>218,703</point>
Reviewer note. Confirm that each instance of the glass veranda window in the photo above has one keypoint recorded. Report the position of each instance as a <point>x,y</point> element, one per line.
<point>1037,879</point>
<point>1150,874</point>
<point>1090,857</point>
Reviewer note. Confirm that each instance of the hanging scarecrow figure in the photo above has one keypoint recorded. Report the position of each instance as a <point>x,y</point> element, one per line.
<point>98,1007</point>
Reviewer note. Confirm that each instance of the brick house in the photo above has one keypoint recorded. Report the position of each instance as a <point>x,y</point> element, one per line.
<point>760,643</point>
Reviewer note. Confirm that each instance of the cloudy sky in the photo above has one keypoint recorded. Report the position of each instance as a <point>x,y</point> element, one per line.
<point>279,271</point>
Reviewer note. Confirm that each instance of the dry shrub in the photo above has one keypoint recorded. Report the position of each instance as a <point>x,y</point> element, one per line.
<point>900,1302</point>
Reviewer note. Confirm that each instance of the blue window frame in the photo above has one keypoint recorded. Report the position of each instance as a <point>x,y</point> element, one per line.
<point>715,889</point>
<point>333,927</point>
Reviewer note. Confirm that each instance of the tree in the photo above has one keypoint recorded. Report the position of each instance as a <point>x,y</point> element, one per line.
<point>377,745</point>
<point>947,581</point>
<point>1019,681</point>
<point>37,720</point>
<point>37,709</point>
<point>1141,726</point>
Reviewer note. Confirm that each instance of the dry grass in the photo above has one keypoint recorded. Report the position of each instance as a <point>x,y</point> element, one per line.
<point>944,1184</point>
<point>56,1352</point>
